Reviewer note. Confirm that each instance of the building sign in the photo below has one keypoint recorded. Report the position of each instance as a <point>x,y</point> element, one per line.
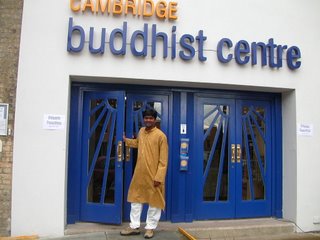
<point>53,122</point>
<point>145,8</point>
<point>305,129</point>
<point>184,46</point>
<point>4,111</point>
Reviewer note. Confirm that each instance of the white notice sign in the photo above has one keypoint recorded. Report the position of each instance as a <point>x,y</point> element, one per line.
<point>53,122</point>
<point>4,119</point>
<point>305,129</point>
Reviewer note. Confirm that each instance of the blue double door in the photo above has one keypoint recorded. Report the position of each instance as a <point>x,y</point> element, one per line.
<point>233,158</point>
<point>230,164</point>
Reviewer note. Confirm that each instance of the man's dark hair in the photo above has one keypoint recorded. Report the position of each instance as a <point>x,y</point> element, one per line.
<point>150,112</point>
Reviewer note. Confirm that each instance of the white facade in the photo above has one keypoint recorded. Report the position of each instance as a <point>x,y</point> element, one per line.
<point>46,70</point>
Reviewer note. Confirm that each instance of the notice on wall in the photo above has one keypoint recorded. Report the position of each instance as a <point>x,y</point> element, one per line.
<point>53,122</point>
<point>305,129</point>
<point>4,108</point>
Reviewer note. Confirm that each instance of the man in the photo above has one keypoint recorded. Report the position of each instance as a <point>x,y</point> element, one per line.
<point>148,181</point>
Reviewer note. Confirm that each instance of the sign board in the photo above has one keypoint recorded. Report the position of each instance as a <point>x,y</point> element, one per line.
<point>185,46</point>
<point>305,129</point>
<point>53,122</point>
<point>4,112</point>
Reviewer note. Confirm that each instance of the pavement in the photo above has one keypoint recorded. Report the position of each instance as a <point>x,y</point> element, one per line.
<point>164,235</point>
<point>169,235</point>
<point>243,229</point>
<point>159,235</point>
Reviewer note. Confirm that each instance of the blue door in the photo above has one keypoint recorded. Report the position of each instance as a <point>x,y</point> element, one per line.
<point>253,158</point>
<point>135,105</point>
<point>232,159</point>
<point>101,163</point>
<point>106,165</point>
<point>214,169</point>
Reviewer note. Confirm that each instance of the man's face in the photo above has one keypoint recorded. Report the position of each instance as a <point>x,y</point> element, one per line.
<point>149,121</point>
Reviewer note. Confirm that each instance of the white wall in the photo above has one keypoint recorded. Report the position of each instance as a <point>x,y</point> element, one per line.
<point>39,182</point>
<point>290,156</point>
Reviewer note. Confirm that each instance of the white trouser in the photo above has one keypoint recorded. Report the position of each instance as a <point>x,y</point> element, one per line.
<point>153,216</point>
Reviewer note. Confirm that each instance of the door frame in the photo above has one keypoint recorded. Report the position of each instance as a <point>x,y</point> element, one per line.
<point>182,187</point>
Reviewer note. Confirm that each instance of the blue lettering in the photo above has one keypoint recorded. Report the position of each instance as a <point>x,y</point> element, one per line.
<point>71,30</point>
<point>242,47</point>
<point>185,42</point>
<point>271,46</point>
<point>123,34</point>
<point>173,42</point>
<point>102,45</point>
<point>144,35</point>
<point>279,54</point>
<point>200,38</point>
<point>271,53</point>
<point>222,42</point>
<point>293,54</point>
<point>156,35</point>
<point>275,52</point>
<point>263,50</point>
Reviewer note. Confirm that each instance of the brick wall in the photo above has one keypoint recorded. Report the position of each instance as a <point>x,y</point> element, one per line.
<point>10,26</point>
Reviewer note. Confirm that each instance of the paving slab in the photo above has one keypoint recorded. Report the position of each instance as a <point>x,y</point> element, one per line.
<point>159,235</point>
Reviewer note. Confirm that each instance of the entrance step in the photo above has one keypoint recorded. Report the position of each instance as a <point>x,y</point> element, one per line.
<point>240,229</point>
<point>259,228</point>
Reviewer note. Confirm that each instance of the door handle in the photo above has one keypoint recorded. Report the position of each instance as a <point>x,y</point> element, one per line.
<point>238,153</point>
<point>233,153</point>
<point>128,154</point>
<point>119,151</point>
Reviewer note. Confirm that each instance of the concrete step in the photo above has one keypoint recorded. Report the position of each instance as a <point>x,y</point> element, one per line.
<point>291,236</point>
<point>259,228</point>
<point>245,228</point>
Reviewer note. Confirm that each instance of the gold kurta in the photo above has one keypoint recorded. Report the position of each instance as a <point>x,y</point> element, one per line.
<point>151,166</point>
